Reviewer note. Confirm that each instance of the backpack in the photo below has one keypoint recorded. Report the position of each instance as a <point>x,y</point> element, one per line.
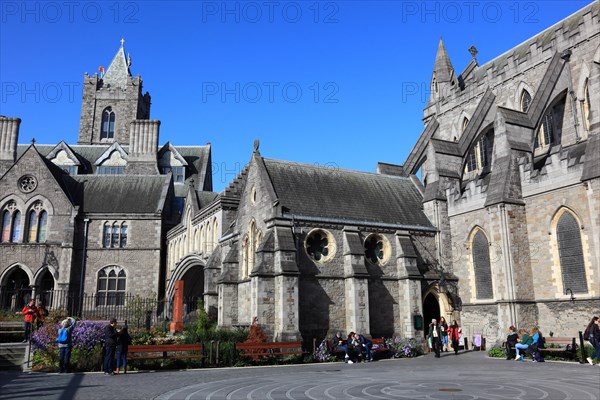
<point>541,342</point>
<point>63,337</point>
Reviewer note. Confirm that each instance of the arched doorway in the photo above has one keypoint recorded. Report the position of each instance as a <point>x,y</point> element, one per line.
<point>191,271</point>
<point>431,309</point>
<point>17,290</point>
<point>45,287</point>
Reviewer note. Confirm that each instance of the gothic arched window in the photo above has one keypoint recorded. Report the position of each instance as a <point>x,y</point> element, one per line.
<point>525,100</point>
<point>37,222</point>
<point>107,130</point>
<point>585,105</point>
<point>570,251</point>
<point>111,286</point>
<point>480,250</point>
<point>480,153</point>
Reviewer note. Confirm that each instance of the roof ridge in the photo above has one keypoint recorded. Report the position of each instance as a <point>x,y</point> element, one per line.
<point>336,168</point>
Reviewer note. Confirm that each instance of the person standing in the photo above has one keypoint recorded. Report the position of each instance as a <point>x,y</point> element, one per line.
<point>123,342</point>
<point>41,312</point>
<point>29,312</point>
<point>592,335</point>
<point>435,337</point>
<point>65,343</point>
<point>454,335</point>
<point>444,329</point>
<point>110,344</point>
<point>511,341</point>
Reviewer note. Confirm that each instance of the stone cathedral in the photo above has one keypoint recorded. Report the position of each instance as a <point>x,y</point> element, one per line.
<point>492,220</point>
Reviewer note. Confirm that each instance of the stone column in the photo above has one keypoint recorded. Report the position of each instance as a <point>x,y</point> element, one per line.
<point>409,286</point>
<point>356,283</point>
<point>177,324</point>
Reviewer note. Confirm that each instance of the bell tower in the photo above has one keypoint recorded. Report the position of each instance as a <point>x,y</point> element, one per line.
<point>111,101</point>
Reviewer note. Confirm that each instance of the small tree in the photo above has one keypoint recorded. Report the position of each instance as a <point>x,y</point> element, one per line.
<point>255,335</point>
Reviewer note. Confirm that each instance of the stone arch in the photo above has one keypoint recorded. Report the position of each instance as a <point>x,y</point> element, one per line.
<point>435,305</point>
<point>16,294</point>
<point>459,122</point>
<point>39,275</point>
<point>519,92</point>
<point>187,270</point>
<point>558,117</point>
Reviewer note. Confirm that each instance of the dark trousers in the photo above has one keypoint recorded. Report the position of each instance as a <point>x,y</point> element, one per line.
<point>64,359</point>
<point>437,345</point>
<point>27,331</point>
<point>109,359</point>
<point>455,346</point>
<point>509,346</point>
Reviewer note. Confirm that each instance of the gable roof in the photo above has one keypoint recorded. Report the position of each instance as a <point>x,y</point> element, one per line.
<point>121,194</point>
<point>316,191</point>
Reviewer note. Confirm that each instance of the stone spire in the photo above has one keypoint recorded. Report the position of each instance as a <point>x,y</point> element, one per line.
<point>443,70</point>
<point>118,73</point>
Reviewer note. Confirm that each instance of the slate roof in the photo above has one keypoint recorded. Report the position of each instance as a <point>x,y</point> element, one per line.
<point>120,193</point>
<point>444,71</point>
<point>591,166</point>
<point>314,191</point>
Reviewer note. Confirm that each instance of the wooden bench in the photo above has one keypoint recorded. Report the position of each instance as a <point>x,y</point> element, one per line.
<point>165,351</point>
<point>380,349</point>
<point>569,344</point>
<point>269,349</point>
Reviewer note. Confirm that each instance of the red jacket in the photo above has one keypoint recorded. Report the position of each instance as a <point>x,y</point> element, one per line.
<point>29,313</point>
<point>453,334</point>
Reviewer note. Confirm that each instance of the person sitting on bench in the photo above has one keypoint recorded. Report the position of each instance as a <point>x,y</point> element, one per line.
<point>342,345</point>
<point>524,341</point>
<point>363,344</point>
<point>511,341</point>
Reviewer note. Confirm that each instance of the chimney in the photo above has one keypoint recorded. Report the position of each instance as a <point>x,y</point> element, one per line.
<point>143,146</point>
<point>9,136</point>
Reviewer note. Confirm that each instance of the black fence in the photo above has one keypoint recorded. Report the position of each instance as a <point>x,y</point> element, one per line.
<point>138,311</point>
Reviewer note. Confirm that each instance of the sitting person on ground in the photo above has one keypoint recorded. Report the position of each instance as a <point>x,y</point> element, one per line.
<point>524,341</point>
<point>340,344</point>
<point>536,344</point>
<point>511,340</point>
<point>364,345</point>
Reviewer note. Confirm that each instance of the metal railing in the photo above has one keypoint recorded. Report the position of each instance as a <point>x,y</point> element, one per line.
<point>139,311</point>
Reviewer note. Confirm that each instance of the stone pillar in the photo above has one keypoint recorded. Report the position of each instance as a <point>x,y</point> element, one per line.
<point>177,324</point>
<point>262,304</point>
<point>287,320</point>
<point>356,283</point>
<point>409,286</point>
<point>143,136</point>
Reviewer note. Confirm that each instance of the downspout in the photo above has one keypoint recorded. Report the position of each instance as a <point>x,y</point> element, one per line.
<point>86,222</point>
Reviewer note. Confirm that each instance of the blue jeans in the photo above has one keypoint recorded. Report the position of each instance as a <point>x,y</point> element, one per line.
<point>367,348</point>
<point>64,359</point>
<point>520,346</point>
<point>445,340</point>
<point>109,359</point>
<point>121,360</point>
<point>343,347</point>
<point>596,352</point>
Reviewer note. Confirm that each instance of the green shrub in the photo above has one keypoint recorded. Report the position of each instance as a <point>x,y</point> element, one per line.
<point>497,352</point>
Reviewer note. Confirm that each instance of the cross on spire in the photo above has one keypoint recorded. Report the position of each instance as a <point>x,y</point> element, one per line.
<point>122,42</point>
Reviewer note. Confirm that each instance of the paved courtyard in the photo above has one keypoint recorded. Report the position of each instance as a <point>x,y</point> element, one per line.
<point>466,376</point>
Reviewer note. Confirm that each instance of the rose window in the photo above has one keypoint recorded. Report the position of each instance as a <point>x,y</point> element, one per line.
<point>27,184</point>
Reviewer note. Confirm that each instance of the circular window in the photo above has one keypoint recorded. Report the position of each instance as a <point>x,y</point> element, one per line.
<point>320,245</point>
<point>27,183</point>
<point>377,249</point>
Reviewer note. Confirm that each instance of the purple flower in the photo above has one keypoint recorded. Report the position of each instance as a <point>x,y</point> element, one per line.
<point>86,335</point>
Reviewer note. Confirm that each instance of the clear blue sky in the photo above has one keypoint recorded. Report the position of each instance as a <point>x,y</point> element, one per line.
<point>326,82</point>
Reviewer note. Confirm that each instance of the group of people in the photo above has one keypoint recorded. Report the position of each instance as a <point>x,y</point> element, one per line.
<point>354,345</point>
<point>440,334</point>
<point>34,314</point>
<point>524,341</point>
<point>117,343</point>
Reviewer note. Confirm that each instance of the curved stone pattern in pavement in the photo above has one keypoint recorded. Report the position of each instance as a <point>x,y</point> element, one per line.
<point>335,384</point>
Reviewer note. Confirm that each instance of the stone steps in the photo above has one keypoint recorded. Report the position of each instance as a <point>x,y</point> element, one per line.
<point>13,356</point>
